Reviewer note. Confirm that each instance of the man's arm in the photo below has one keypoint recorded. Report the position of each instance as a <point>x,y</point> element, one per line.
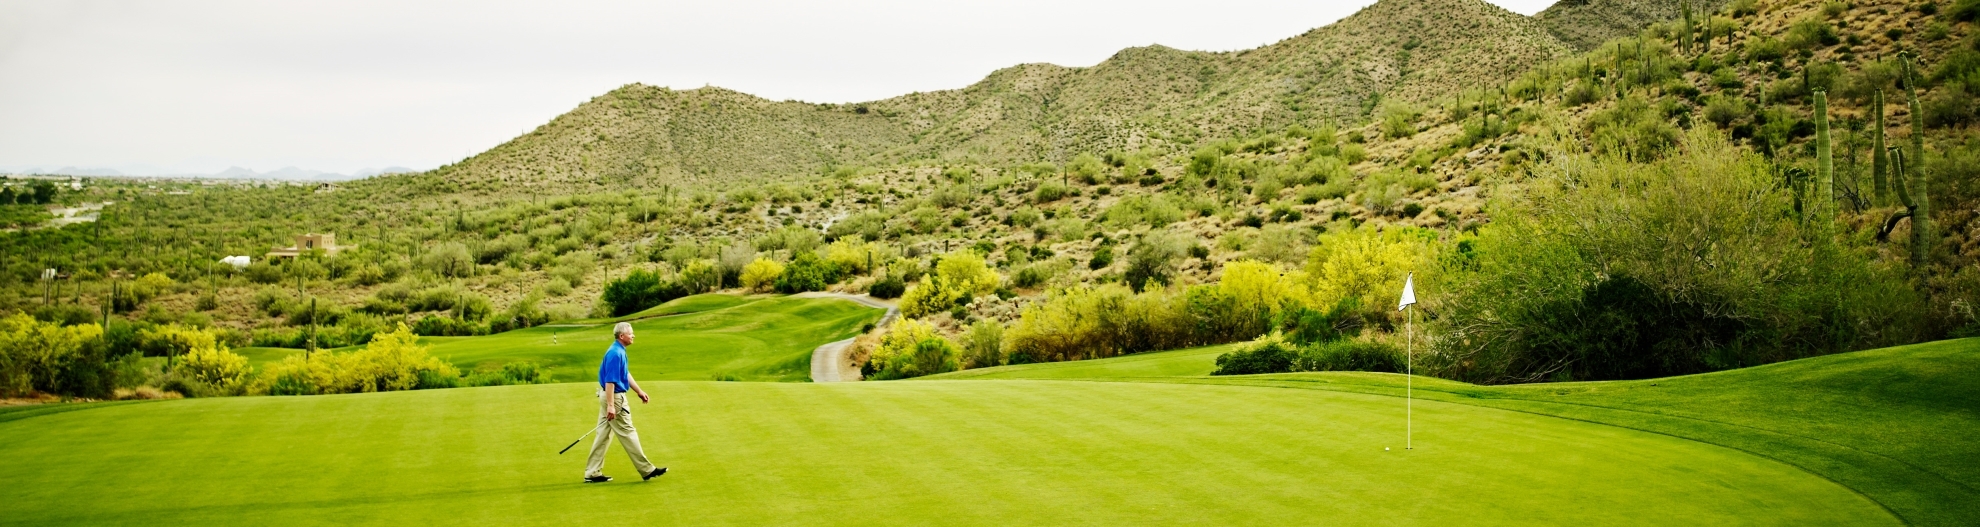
<point>635,387</point>
<point>611,410</point>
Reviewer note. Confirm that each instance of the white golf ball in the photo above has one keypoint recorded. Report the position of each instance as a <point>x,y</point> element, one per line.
<point>1385,449</point>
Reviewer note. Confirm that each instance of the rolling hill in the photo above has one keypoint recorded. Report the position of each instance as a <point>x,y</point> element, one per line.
<point>1155,96</point>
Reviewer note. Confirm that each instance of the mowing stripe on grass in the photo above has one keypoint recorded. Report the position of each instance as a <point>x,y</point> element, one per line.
<point>1001,452</point>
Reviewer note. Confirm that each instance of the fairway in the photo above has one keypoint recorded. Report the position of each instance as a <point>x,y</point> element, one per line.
<point>699,338</point>
<point>978,453</point>
<point>1173,363</point>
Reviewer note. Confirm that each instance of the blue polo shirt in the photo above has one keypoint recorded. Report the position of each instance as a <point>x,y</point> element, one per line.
<point>613,370</point>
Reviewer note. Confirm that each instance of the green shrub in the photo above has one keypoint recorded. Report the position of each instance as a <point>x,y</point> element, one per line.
<point>1751,284</point>
<point>1087,322</point>
<point>1763,48</point>
<point>437,326</point>
<point>958,277</point>
<point>1049,192</point>
<point>807,272</point>
<point>1399,120</point>
<point>983,345</point>
<point>43,356</point>
<point>642,288</point>
<point>513,373</point>
<point>911,348</point>
<point>1810,33</point>
<point>392,361</point>
<point>1633,128</point>
<point>1351,355</point>
<point>1103,258</point>
<point>1965,10</point>
<point>889,286</point>
<point>1153,260</point>
<point>213,366</point>
<point>1271,354</point>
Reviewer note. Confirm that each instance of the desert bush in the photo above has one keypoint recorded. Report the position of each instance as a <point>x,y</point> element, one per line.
<point>1353,153</point>
<point>1950,106</point>
<point>1050,191</point>
<point>174,340</point>
<point>1811,33</point>
<point>983,345</point>
<point>1399,120</point>
<point>854,255</point>
<point>1157,211</point>
<point>958,277</point>
<point>1763,48</point>
<point>642,288</point>
<point>869,225</point>
<point>447,259</point>
<point>392,361</point>
<point>889,286</point>
<point>1276,354</point>
<point>1633,128</point>
<point>43,356</point>
<point>730,261</point>
<point>214,366</point>
<point>1246,303</point>
<point>1351,355</point>
<point>1087,322</point>
<point>911,348</point>
<point>1271,354</point>
<point>1613,269</point>
<point>1040,273</point>
<point>761,274</point>
<point>807,272</point>
<point>1153,259</point>
<point>438,326</point>
<point>1723,111</point>
<point>512,373</point>
<point>1367,266</point>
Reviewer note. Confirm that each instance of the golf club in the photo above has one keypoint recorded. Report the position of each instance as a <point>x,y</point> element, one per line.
<point>567,448</point>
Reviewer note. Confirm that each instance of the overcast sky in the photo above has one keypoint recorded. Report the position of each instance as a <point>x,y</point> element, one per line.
<point>196,86</point>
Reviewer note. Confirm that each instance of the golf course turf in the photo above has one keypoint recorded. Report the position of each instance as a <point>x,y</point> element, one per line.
<point>1870,438</point>
<point>698,338</point>
<point>1007,452</point>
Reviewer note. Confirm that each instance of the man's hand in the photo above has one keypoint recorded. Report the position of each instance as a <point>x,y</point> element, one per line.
<point>642,396</point>
<point>611,414</point>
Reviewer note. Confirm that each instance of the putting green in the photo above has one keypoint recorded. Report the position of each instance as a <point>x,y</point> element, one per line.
<point>694,338</point>
<point>987,453</point>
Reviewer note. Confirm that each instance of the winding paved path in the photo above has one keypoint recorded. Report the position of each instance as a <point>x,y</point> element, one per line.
<point>828,362</point>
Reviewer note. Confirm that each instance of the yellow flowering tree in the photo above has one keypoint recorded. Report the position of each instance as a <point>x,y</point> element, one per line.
<point>761,274</point>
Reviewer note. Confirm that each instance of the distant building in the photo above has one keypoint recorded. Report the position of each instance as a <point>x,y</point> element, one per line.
<point>310,242</point>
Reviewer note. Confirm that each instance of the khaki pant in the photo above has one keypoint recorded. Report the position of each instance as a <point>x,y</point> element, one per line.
<point>628,439</point>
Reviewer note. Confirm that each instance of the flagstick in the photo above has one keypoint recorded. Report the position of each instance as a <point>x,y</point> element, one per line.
<point>1409,366</point>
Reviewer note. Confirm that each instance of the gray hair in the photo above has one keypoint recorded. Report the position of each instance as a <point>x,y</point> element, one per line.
<point>622,328</point>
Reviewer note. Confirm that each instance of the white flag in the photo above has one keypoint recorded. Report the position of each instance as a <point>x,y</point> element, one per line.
<point>1409,292</point>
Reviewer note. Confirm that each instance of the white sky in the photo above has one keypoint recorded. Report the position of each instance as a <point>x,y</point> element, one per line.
<point>195,86</point>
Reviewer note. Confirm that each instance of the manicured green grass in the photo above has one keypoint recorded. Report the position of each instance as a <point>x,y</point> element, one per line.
<point>1895,424</point>
<point>951,453</point>
<point>1173,363</point>
<point>693,338</point>
<point>261,356</point>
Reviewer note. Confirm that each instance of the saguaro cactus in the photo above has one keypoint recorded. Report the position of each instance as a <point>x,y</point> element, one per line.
<point>1825,168</point>
<point>1880,191</point>
<point>1920,182</point>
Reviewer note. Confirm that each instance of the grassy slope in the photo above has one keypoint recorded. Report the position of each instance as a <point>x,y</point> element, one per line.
<point>692,338</point>
<point>1173,363</point>
<point>962,453</point>
<point>1893,423</point>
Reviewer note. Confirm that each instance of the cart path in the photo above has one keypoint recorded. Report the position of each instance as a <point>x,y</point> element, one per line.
<point>828,362</point>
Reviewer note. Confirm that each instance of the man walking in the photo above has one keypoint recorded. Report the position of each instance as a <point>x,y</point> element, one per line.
<point>614,378</point>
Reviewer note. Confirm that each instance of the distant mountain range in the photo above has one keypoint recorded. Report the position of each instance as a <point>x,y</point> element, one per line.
<point>284,173</point>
